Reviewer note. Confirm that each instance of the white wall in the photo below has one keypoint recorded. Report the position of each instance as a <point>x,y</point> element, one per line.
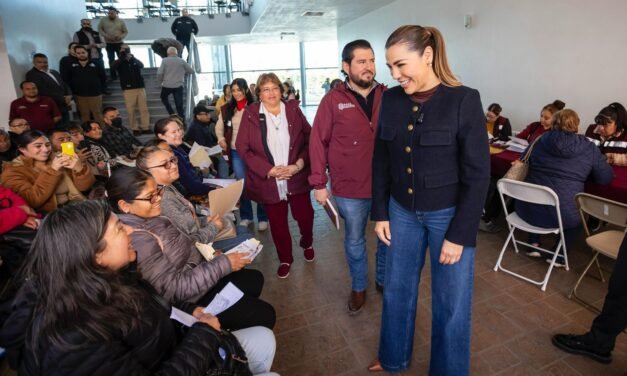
<point>521,54</point>
<point>31,26</point>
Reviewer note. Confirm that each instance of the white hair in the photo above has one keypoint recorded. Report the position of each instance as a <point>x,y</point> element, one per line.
<point>172,51</point>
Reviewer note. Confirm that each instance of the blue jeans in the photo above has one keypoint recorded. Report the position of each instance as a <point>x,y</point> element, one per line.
<point>242,235</point>
<point>451,287</point>
<point>223,167</point>
<point>355,212</point>
<point>245,207</point>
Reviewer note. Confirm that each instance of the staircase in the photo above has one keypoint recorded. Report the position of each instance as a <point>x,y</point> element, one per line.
<point>153,90</point>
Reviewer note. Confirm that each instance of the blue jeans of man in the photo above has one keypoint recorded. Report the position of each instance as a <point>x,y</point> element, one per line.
<point>245,206</point>
<point>355,212</point>
<point>177,92</point>
<point>227,244</point>
<point>451,286</point>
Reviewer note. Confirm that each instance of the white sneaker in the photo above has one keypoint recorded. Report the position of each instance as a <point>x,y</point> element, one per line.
<point>245,222</point>
<point>533,254</point>
<point>262,226</point>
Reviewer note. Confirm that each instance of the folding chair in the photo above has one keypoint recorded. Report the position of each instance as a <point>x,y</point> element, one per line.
<point>605,243</point>
<point>536,194</point>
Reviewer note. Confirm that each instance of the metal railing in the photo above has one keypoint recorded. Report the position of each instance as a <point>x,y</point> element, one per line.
<point>164,8</point>
<point>193,59</point>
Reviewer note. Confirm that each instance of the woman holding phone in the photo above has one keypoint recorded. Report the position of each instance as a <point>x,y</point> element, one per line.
<point>44,179</point>
<point>430,177</point>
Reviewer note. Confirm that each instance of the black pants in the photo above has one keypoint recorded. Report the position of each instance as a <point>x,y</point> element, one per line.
<point>613,318</point>
<point>113,49</point>
<point>492,207</point>
<point>178,100</point>
<point>249,310</point>
<point>185,43</point>
<point>100,64</point>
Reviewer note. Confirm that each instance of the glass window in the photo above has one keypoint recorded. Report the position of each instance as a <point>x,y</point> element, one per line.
<point>323,54</point>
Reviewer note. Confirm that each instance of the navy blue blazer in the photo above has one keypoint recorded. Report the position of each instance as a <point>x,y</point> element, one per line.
<point>433,157</point>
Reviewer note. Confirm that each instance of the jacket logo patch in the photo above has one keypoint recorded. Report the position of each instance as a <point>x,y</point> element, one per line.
<point>343,106</point>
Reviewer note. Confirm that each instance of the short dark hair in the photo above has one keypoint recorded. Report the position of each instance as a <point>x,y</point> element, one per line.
<point>495,108</point>
<point>74,126</point>
<point>25,138</point>
<point>78,46</point>
<point>39,54</point>
<point>86,125</point>
<point>54,130</point>
<point>108,109</point>
<point>347,51</point>
<point>26,82</point>
<point>72,44</point>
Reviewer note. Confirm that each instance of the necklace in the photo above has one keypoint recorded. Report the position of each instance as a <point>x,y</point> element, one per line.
<point>274,122</point>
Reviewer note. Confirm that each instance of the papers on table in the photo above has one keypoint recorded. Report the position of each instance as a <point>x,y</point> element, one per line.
<point>517,144</point>
<point>224,200</point>
<point>251,246</point>
<point>224,300</point>
<point>332,213</point>
<point>219,182</point>
<point>182,317</point>
<point>199,157</point>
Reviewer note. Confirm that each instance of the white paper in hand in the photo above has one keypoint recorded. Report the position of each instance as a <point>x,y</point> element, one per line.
<point>182,317</point>
<point>251,247</point>
<point>224,300</point>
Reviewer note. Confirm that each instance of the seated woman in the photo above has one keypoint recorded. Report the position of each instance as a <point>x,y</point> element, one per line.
<point>608,133</point>
<point>8,152</point>
<point>161,164</point>
<point>562,160</point>
<point>498,126</point>
<point>99,154</point>
<point>84,310</point>
<point>44,180</point>
<point>277,166</point>
<point>535,129</point>
<point>170,261</point>
<point>170,131</point>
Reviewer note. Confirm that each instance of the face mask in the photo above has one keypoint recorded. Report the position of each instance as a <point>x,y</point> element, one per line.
<point>117,122</point>
<point>87,28</point>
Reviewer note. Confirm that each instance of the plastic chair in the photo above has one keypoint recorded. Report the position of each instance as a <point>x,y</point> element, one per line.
<point>536,194</point>
<point>605,243</point>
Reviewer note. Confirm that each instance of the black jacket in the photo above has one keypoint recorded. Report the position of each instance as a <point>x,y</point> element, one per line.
<point>151,348</point>
<point>202,133</point>
<point>86,81</point>
<point>433,158</point>
<point>183,27</point>
<point>65,65</point>
<point>130,72</point>
<point>48,87</point>
<point>83,39</point>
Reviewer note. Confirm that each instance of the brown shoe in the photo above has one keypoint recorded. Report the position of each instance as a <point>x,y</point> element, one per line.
<point>356,302</point>
<point>375,367</point>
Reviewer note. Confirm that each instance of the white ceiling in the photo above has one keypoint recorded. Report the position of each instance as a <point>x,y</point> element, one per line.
<point>282,16</point>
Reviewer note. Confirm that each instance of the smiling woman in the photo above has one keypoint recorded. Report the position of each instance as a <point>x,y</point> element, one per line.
<point>430,176</point>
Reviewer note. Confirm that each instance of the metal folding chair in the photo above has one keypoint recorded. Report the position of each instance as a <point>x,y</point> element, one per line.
<point>535,194</point>
<point>605,243</point>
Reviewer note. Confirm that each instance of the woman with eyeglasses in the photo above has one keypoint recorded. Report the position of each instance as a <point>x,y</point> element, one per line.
<point>227,129</point>
<point>163,167</point>
<point>609,134</point>
<point>170,131</point>
<point>44,179</point>
<point>273,141</point>
<point>169,260</point>
<point>84,310</point>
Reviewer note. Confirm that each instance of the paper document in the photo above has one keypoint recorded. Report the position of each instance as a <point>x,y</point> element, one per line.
<point>251,246</point>
<point>182,317</point>
<point>516,148</point>
<point>223,200</point>
<point>219,182</point>
<point>199,157</point>
<point>519,141</point>
<point>332,213</point>
<point>214,150</point>
<point>206,250</point>
<point>224,300</point>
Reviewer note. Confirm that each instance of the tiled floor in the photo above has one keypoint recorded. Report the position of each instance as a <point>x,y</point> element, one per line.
<point>512,321</point>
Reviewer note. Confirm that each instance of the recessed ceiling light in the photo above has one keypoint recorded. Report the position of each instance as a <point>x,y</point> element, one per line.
<point>313,14</point>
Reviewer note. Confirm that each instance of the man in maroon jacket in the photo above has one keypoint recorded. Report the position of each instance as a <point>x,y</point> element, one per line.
<point>40,112</point>
<point>342,138</point>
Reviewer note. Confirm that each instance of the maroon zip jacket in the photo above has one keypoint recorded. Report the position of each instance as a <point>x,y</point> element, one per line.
<point>343,138</point>
<point>253,149</point>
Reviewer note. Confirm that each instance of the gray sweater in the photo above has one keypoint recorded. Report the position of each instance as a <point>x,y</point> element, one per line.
<point>181,213</point>
<point>171,73</point>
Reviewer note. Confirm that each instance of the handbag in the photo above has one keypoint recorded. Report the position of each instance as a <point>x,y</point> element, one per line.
<point>519,171</point>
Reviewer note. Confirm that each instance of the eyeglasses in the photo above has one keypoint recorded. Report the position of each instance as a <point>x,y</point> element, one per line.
<point>268,90</point>
<point>167,164</point>
<point>153,197</point>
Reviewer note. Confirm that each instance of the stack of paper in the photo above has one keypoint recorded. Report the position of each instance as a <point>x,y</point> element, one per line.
<point>517,144</point>
<point>251,247</point>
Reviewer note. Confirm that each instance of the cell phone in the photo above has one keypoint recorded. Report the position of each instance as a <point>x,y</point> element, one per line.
<point>67,148</point>
<point>83,145</point>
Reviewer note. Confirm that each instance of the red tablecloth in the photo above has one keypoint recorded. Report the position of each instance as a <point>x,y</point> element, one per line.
<point>616,190</point>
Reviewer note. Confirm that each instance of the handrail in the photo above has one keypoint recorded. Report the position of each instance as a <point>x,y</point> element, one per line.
<point>193,59</point>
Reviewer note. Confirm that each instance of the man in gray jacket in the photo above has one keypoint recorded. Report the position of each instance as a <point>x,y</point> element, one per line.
<point>113,30</point>
<point>171,77</point>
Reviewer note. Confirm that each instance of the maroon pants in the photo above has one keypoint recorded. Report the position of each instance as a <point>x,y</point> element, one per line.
<point>302,211</point>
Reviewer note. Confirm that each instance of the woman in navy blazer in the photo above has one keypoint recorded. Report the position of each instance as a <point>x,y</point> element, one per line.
<point>273,141</point>
<point>430,177</point>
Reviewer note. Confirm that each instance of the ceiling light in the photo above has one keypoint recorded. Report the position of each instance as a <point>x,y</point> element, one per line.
<point>312,14</point>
